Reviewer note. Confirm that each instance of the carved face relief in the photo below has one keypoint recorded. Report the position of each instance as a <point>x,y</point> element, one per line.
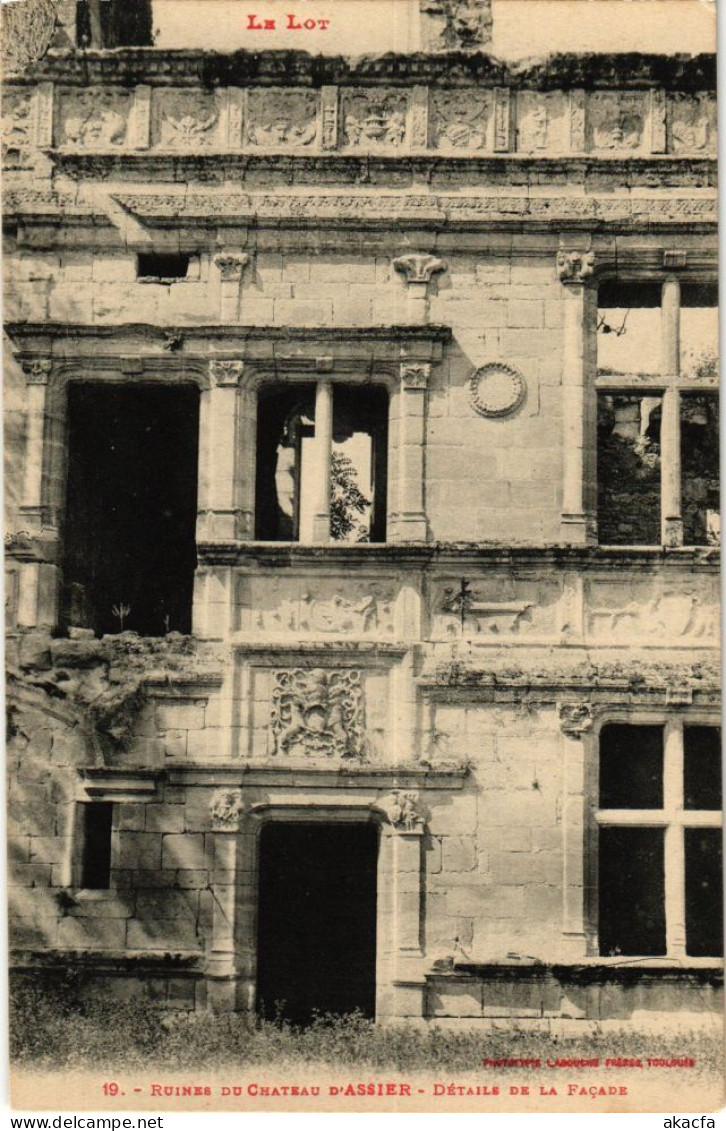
<point>94,119</point>
<point>317,713</point>
<point>462,119</point>
<point>617,121</point>
<point>691,123</point>
<point>374,119</point>
<point>282,118</point>
<point>185,119</point>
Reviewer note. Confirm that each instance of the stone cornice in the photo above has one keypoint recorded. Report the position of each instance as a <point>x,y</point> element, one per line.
<point>364,777</point>
<point>124,66</point>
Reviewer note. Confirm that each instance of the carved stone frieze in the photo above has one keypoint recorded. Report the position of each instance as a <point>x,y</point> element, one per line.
<point>681,615</point>
<point>616,120</point>
<point>691,123</point>
<point>317,712</point>
<point>226,808</point>
<point>374,119</point>
<point>185,120</point>
<point>404,810</point>
<point>576,719</point>
<point>358,609</point>
<point>462,119</point>
<point>94,119</point>
<point>282,118</point>
<point>575,266</point>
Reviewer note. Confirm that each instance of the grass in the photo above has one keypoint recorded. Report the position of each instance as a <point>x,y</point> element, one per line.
<point>51,1030</point>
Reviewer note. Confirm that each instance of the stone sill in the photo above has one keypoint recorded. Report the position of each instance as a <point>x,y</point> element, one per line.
<point>108,961</point>
<point>591,970</point>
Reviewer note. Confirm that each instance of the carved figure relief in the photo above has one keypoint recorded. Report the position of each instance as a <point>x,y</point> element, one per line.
<point>664,616</point>
<point>186,119</point>
<point>361,611</point>
<point>403,810</point>
<point>374,119</point>
<point>17,124</point>
<point>576,719</point>
<point>462,119</point>
<point>317,712</point>
<point>282,117</point>
<point>226,808</point>
<point>691,123</point>
<point>540,121</point>
<point>617,121</point>
<point>95,119</point>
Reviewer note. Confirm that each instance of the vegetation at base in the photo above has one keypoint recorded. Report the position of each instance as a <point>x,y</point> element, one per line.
<point>51,1030</point>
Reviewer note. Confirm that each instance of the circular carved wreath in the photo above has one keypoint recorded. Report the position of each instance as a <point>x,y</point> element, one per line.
<point>496,390</point>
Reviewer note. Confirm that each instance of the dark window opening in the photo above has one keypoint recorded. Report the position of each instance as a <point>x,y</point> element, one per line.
<point>154,265</point>
<point>631,767</point>
<point>702,768</point>
<point>628,328</point>
<point>130,551</point>
<point>95,819</point>
<point>628,469</point>
<point>704,892</point>
<point>114,23</point>
<point>631,887</point>
<point>700,493</point>
<point>286,463</point>
<point>316,940</point>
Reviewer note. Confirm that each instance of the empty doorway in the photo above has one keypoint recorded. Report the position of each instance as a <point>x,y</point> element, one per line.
<point>316,938</point>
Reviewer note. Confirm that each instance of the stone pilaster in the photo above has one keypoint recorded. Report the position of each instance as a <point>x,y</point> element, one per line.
<point>408,418</point>
<point>418,271</point>
<point>670,438</point>
<point>231,266</point>
<point>218,453</point>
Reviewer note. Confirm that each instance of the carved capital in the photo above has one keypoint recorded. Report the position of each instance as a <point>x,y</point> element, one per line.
<point>575,266</point>
<point>404,811</point>
<point>226,374</point>
<point>415,374</point>
<point>418,268</point>
<point>225,809</point>
<point>575,718</point>
<point>37,370</point>
<point>231,266</point>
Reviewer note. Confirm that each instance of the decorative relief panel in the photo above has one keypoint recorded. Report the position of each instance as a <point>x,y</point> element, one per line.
<point>184,120</point>
<point>94,119</point>
<point>317,712</point>
<point>616,120</point>
<point>475,610</point>
<point>541,122</point>
<point>691,123</point>
<point>282,118</point>
<point>17,125</point>
<point>655,617</point>
<point>317,608</point>
<point>496,390</point>
<point>462,119</point>
<point>374,119</point>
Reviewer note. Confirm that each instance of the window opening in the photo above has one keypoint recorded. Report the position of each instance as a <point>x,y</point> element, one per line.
<point>114,23</point>
<point>162,266</point>
<point>130,550</point>
<point>96,820</point>
<point>290,460</point>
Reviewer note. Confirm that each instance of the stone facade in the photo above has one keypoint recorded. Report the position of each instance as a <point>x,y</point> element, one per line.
<point>437,226</point>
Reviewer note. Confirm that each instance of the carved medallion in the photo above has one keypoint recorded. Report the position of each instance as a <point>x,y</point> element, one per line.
<point>496,390</point>
<point>186,119</point>
<point>317,712</point>
<point>282,118</point>
<point>462,119</point>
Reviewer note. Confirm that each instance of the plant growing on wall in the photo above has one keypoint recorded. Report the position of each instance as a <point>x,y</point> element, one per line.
<point>346,502</point>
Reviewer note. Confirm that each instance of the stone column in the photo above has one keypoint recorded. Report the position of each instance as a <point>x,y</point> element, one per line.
<point>400,917</point>
<point>216,508</point>
<point>408,518</point>
<point>578,397</point>
<point>575,723</point>
<point>674,846</point>
<point>37,373</point>
<point>221,960</point>
<point>418,271</point>
<point>323,460</point>
<point>670,428</point>
<point>231,267</point>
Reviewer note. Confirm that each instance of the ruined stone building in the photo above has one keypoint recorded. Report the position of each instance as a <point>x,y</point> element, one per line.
<point>362,524</point>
